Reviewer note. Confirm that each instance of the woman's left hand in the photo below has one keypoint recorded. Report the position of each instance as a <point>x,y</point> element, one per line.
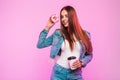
<point>77,64</point>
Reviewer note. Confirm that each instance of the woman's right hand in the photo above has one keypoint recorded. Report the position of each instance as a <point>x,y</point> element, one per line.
<point>51,21</point>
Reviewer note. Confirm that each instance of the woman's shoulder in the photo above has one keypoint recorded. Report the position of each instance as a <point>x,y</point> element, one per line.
<point>88,33</point>
<point>57,32</point>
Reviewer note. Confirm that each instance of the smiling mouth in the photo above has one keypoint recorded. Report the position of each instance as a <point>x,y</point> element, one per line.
<point>64,23</point>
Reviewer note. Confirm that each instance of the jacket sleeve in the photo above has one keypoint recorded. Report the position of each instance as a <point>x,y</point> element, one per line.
<point>43,41</point>
<point>87,57</point>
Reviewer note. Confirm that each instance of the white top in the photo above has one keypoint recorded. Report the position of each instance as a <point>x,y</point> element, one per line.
<point>66,52</point>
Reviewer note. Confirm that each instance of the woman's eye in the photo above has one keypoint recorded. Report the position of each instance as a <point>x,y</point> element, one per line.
<point>66,16</point>
<point>61,16</point>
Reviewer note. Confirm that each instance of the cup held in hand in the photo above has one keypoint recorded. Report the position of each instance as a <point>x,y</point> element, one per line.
<point>71,60</point>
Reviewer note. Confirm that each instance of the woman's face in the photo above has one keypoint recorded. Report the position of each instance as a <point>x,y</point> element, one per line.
<point>64,18</point>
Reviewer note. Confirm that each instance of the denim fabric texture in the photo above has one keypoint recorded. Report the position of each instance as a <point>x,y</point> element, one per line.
<point>61,73</point>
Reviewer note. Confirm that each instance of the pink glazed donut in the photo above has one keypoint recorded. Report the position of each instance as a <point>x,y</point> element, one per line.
<point>54,18</point>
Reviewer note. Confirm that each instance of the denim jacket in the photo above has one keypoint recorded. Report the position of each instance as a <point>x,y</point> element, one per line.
<point>56,40</point>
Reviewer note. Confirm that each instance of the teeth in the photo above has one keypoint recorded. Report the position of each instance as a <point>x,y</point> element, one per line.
<point>64,23</point>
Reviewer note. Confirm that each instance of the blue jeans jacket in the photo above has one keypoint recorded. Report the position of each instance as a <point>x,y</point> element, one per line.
<point>56,40</point>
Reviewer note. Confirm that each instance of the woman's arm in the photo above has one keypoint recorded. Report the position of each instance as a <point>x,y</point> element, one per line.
<point>88,56</point>
<point>86,59</point>
<point>43,41</point>
<point>83,62</point>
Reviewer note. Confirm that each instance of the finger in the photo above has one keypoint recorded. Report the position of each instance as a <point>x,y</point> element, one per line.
<point>77,64</point>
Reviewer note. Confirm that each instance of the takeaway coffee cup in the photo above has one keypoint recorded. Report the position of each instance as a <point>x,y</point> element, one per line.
<point>54,18</point>
<point>71,60</point>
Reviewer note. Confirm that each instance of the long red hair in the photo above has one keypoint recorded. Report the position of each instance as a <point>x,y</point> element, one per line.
<point>75,28</point>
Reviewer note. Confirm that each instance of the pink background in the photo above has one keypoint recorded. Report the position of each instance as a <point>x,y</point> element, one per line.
<point>22,20</point>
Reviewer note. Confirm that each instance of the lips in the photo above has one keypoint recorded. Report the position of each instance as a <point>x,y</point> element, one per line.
<point>65,23</point>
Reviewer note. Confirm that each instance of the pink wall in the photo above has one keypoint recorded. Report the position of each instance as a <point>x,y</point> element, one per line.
<point>21,22</point>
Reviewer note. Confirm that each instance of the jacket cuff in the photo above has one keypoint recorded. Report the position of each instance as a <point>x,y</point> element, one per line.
<point>45,31</point>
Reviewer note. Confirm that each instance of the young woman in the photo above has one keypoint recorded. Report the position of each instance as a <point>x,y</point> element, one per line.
<point>69,43</point>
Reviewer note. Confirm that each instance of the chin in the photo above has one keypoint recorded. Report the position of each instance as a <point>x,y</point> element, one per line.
<point>65,25</point>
